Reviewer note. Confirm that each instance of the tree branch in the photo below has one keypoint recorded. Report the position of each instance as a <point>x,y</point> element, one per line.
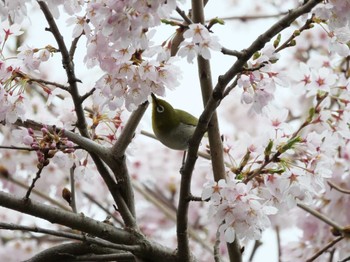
<point>117,153</point>
<point>325,248</point>
<point>66,218</point>
<point>68,252</point>
<point>253,17</point>
<point>128,133</point>
<point>88,225</point>
<point>98,153</point>
<point>72,189</point>
<point>338,188</point>
<point>121,256</point>
<point>256,246</point>
<point>321,217</point>
<point>68,65</point>
<point>31,187</point>
<point>230,52</point>
<point>34,191</point>
<point>109,213</point>
<point>70,235</point>
<point>169,213</point>
<point>46,82</point>
<point>215,143</point>
<point>184,16</point>
<point>260,42</point>
<point>210,107</point>
<point>73,46</point>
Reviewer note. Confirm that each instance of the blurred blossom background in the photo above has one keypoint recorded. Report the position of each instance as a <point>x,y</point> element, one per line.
<point>157,167</point>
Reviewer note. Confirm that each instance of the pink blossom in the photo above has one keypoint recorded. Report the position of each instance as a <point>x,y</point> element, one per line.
<point>189,50</point>
<point>197,32</point>
<point>237,209</point>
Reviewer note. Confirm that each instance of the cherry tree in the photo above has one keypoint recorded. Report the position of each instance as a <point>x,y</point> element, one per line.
<point>81,177</point>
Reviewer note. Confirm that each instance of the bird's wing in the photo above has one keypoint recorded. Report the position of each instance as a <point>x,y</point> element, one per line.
<point>186,117</point>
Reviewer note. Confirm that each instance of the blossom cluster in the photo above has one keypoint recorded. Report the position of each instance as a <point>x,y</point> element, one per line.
<point>198,41</point>
<point>259,80</point>
<point>13,72</point>
<point>132,84</point>
<point>237,209</point>
<point>118,40</point>
<point>46,145</point>
<point>287,157</point>
<point>119,35</point>
<point>11,91</point>
<point>307,159</point>
<point>336,14</point>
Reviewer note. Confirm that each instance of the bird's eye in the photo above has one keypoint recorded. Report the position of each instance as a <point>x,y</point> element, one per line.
<point>160,109</point>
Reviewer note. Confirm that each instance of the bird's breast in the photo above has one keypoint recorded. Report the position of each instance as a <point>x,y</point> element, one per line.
<point>178,137</point>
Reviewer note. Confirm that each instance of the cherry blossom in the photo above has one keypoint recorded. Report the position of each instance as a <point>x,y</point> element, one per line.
<point>259,85</point>
<point>237,210</point>
<point>198,41</point>
<point>335,12</point>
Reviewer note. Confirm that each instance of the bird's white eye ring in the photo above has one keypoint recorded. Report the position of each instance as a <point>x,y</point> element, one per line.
<point>160,109</point>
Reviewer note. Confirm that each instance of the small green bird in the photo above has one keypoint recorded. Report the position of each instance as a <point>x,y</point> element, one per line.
<point>172,127</point>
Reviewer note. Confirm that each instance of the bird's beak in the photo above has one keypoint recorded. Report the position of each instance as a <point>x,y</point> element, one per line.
<point>154,99</point>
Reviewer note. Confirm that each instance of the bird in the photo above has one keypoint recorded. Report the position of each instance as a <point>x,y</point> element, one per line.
<point>172,127</point>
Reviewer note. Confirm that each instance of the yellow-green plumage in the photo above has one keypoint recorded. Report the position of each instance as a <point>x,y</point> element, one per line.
<point>172,127</point>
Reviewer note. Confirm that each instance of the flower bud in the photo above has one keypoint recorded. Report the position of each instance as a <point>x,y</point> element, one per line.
<point>66,194</point>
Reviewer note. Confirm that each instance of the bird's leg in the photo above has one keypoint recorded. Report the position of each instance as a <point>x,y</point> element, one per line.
<point>184,158</point>
<point>183,162</point>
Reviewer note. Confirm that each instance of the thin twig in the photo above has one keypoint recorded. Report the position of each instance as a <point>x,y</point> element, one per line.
<point>277,154</point>
<point>46,82</point>
<point>18,148</point>
<point>37,176</point>
<point>257,244</point>
<point>230,52</point>
<point>92,199</point>
<point>62,147</point>
<point>170,213</point>
<point>72,189</point>
<point>232,86</point>
<point>286,43</point>
<point>322,250</point>
<point>217,257</point>
<point>195,198</point>
<point>338,188</point>
<point>244,17</point>
<point>108,257</point>
<point>68,65</point>
<point>37,192</point>
<point>73,46</point>
<point>345,259</point>
<point>253,17</point>
<point>88,94</point>
<point>279,244</point>
<point>184,16</point>
<point>321,217</point>
<point>128,132</point>
<point>158,194</point>
<point>70,235</point>
<point>117,160</point>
